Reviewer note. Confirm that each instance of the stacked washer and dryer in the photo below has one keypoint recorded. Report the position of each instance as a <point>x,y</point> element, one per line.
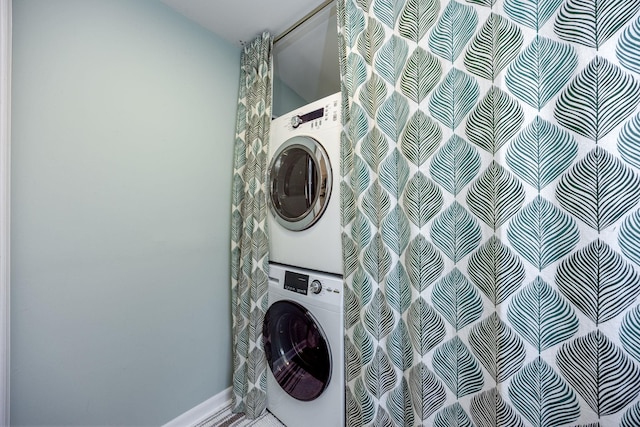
<point>303,327</point>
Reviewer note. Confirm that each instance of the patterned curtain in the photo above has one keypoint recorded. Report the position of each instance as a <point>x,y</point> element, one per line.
<point>249,246</point>
<point>491,226</point>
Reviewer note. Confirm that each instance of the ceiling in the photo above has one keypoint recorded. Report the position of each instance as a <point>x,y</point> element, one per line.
<point>306,59</point>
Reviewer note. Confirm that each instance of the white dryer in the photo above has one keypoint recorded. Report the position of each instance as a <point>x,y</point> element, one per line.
<point>303,341</point>
<point>304,199</point>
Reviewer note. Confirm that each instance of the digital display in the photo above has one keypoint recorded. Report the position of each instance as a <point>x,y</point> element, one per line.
<point>312,115</point>
<point>296,282</point>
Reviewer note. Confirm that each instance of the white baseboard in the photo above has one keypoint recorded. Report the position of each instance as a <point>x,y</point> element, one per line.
<point>204,410</point>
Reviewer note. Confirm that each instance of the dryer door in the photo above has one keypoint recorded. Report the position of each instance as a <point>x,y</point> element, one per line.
<point>297,350</point>
<point>299,183</point>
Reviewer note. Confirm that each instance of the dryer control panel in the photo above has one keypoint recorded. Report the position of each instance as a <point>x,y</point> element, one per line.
<point>319,116</point>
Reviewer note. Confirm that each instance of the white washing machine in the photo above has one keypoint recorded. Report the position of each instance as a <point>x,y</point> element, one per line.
<point>303,341</point>
<point>304,199</point>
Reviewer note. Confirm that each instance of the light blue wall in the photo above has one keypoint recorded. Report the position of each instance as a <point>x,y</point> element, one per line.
<point>123,127</point>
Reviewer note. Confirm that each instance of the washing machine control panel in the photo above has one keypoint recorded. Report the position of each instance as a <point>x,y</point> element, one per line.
<point>328,115</point>
<point>306,285</point>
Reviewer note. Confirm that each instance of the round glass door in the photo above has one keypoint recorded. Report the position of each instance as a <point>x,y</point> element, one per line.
<point>299,183</point>
<point>297,350</point>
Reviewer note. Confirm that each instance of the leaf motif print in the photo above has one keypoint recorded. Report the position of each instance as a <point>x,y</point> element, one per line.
<point>495,196</point>
<point>457,300</point>
<point>455,164</point>
<point>367,406</point>
<point>372,95</point>
<point>497,347</point>
<point>454,29</point>
<point>629,237</point>
<point>598,281</point>
<point>387,12</point>
<point>542,396</point>
<point>426,328</point>
<point>493,47</point>
<point>382,418</point>
<point>599,98</point>
<point>542,233</point>
<point>592,23</point>
<point>376,259</point>
<point>399,347</point>
<point>531,13</point>
<point>370,39</point>
<point>399,405</point>
<point>631,417</point>
<point>421,138</point>
<point>352,360</point>
<point>356,24</point>
<point>422,199</point>
<point>376,203</point>
<point>391,58</point>
<point>628,47</point>
<point>364,343</point>
<point>452,416</point>
<point>599,189</point>
<point>424,263</point>
<point>398,289</point>
<point>541,316</point>
<point>453,98</point>
<point>455,232</point>
<point>374,148</point>
<point>458,369</point>
<point>495,119</point>
<point>361,229</point>
<point>496,270</point>
<point>395,230</point>
<point>392,116</point>
<point>488,409</point>
<point>394,173</point>
<point>420,75</point>
<point>629,142</point>
<point>378,317</point>
<point>541,152</point>
<point>379,376</point>
<point>600,372</point>
<point>362,287</point>
<point>352,308</point>
<point>485,3</point>
<point>540,71</point>
<point>426,391</point>
<point>630,332</point>
<point>349,255</point>
<point>359,124</point>
<point>358,72</point>
<point>417,17</point>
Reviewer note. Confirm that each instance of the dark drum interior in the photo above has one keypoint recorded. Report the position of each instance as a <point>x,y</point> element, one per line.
<point>295,184</point>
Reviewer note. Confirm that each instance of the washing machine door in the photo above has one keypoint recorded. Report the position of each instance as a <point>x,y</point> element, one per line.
<point>297,350</point>
<point>299,183</point>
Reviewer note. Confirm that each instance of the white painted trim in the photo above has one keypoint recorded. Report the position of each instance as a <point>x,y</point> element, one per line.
<point>5,176</point>
<point>204,410</point>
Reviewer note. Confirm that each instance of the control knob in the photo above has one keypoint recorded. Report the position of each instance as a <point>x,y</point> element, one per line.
<point>296,121</point>
<point>316,286</point>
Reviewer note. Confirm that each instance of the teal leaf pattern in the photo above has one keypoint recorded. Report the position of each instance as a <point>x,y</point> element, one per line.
<point>367,408</point>
<point>458,369</point>
<point>379,376</point>
<point>628,47</point>
<point>597,100</point>
<point>398,289</point>
<point>359,75</point>
<point>455,232</point>
<point>376,203</point>
<point>364,343</point>
<point>370,40</point>
<point>417,17</point>
<point>492,48</point>
<point>374,149</point>
<point>629,142</point>
<point>378,317</point>
<point>592,23</point>
<point>453,98</point>
<point>630,333</point>
<point>454,29</point>
<point>457,300</point>
<point>372,94</point>
<point>541,316</point>
<point>495,196</point>
<point>542,396</point>
<point>541,152</point>
<point>629,237</point>
<point>496,270</point>
<point>488,409</point>
<point>390,59</point>
<point>424,263</point>
<point>394,173</point>
<point>495,119</point>
<point>531,13</point>
<point>422,199</point>
<point>399,347</point>
<point>399,405</point>
<point>540,71</point>
<point>600,372</point>
<point>426,391</point>
<point>426,328</point>
<point>421,74</point>
<point>452,416</point>
<point>455,164</point>
<point>420,138</point>
<point>497,347</point>
<point>387,12</point>
<point>542,233</point>
<point>377,259</point>
<point>631,417</point>
<point>599,189</point>
<point>598,281</point>
<point>393,115</point>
